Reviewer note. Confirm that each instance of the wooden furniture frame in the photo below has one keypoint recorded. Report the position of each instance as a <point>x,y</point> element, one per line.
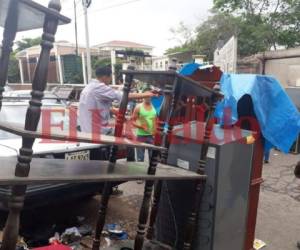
<point>182,86</point>
<point>29,171</point>
<point>14,22</point>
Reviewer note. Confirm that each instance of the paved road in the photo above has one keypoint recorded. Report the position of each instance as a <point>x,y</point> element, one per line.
<point>278,215</point>
<point>278,221</point>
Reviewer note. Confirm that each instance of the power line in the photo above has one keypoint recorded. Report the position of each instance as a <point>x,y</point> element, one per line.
<point>112,6</point>
<point>116,5</point>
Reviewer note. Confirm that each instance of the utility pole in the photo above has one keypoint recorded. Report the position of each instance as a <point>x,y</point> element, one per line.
<point>86,4</point>
<point>113,64</point>
<point>75,21</point>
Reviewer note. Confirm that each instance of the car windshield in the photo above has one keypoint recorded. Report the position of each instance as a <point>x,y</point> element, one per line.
<point>16,114</point>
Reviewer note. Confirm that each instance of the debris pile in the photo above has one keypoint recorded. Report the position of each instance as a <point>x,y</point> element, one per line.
<point>78,237</point>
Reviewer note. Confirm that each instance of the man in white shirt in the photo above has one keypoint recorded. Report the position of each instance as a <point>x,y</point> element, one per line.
<point>96,101</point>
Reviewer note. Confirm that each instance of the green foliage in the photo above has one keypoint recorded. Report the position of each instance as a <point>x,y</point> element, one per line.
<point>13,67</point>
<point>182,34</point>
<point>259,25</point>
<point>184,48</point>
<point>219,27</point>
<point>27,43</point>
<point>13,74</point>
<point>105,62</point>
<point>100,62</point>
<point>273,22</point>
<point>72,69</point>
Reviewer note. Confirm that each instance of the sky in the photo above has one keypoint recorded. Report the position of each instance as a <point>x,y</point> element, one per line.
<point>142,21</point>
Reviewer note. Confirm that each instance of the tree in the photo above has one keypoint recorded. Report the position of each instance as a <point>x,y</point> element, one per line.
<point>13,74</point>
<point>106,62</point>
<point>27,43</point>
<point>218,27</point>
<point>182,35</point>
<point>13,67</point>
<point>274,22</point>
<point>258,24</point>
<point>183,48</point>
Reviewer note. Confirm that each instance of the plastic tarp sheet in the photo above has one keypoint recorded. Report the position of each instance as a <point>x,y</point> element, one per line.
<point>189,69</point>
<point>278,117</point>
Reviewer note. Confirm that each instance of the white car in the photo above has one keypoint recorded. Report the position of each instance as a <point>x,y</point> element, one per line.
<point>23,95</point>
<point>10,144</point>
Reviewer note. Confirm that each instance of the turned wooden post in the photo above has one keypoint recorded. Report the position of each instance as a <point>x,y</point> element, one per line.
<point>164,157</point>
<point>171,117</point>
<point>112,160</point>
<point>16,202</point>
<point>191,224</point>
<point>164,154</point>
<point>144,211</point>
<point>9,34</point>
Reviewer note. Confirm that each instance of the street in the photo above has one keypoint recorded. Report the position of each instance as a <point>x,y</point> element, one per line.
<point>278,223</point>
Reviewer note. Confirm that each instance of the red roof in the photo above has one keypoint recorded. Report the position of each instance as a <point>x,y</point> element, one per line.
<point>125,44</point>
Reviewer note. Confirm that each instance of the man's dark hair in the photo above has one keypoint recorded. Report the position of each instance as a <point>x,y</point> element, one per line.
<point>103,71</point>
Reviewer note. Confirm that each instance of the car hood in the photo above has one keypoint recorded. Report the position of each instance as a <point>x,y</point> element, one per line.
<point>10,147</point>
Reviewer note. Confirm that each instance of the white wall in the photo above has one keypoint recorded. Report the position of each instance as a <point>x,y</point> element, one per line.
<point>226,57</point>
<point>160,63</point>
<point>287,71</point>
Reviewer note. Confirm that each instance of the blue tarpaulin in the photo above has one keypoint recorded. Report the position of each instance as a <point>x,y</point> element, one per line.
<point>189,69</point>
<point>278,117</point>
<point>157,102</point>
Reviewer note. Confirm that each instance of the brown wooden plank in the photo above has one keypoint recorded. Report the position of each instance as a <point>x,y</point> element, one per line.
<point>80,137</point>
<point>63,171</point>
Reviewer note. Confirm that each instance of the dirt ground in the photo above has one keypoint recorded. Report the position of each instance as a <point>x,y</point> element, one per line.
<point>278,222</point>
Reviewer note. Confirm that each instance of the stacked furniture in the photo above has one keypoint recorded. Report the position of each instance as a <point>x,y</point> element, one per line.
<point>20,15</point>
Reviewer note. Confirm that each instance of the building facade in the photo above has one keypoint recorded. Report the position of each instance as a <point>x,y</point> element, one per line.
<point>283,64</point>
<point>67,63</point>
<point>163,62</point>
<point>124,45</point>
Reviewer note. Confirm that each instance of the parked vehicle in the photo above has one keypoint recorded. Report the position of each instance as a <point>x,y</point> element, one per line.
<point>24,95</point>
<point>42,194</point>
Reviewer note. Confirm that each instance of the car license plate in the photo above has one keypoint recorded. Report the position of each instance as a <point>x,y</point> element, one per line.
<point>80,155</point>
